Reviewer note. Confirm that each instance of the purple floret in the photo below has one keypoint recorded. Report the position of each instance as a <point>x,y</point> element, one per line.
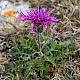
<point>40,18</point>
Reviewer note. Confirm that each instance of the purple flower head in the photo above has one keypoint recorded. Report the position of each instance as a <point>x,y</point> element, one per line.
<point>39,18</point>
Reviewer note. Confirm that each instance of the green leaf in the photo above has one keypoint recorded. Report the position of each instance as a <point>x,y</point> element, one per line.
<point>49,59</point>
<point>29,66</point>
<point>53,44</point>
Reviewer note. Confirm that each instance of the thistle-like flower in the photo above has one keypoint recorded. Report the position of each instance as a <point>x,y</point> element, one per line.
<point>39,18</point>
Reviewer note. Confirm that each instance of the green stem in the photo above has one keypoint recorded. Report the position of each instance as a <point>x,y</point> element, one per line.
<point>39,45</point>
